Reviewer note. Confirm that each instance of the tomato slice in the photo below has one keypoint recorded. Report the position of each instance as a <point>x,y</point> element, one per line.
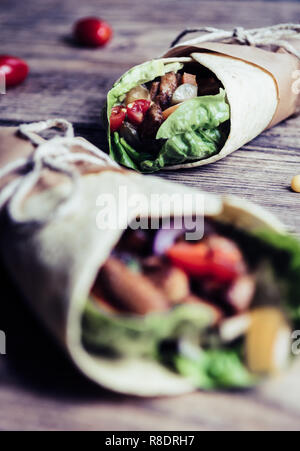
<point>136,110</point>
<point>117,117</point>
<point>144,104</point>
<point>216,257</point>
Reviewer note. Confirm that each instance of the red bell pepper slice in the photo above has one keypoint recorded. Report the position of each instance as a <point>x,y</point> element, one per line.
<point>215,257</point>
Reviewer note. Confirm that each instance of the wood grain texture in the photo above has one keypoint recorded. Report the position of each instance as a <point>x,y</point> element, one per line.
<point>39,389</point>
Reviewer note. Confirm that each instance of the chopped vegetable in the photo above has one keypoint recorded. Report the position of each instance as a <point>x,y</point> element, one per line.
<point>178,126</point>
<point>137,93</point>
<point>216,257</point>
<point>130,134</point>
<point>184,147</point>
<point>199,113</point>
<point>216,312</point>
<point>136,76</point>
<point>241,292</point>
<point>267,340</point>
<point>180,307</point>
<point>166,113</point>
<point>137,110</point>
<point>164,239</point>
<point>117,117</point>
<point>184,92</point>
<point>121,154</point>
<point>189,78</point>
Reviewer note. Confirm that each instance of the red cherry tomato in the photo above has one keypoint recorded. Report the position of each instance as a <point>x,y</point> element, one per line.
<point>136,110</point>
<point>92,32</point>
<point>217,258</point>
<point>117,117</point>
<point>14,69</point>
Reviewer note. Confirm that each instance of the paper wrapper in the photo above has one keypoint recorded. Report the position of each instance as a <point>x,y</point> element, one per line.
<point>261,88</point>
<point>56,265</point>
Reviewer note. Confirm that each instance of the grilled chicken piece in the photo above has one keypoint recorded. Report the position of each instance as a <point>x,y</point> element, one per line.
<point>167,86</point>
<point>151,122</point>
<point>98,296</point>
<point>154,89</point>
<point>132,291</point>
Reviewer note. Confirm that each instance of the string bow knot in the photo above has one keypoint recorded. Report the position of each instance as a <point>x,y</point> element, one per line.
<point>276,35</point>
<point>55,154</point>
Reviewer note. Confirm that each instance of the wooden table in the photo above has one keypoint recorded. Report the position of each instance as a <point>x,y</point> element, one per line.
<point>39,389</point>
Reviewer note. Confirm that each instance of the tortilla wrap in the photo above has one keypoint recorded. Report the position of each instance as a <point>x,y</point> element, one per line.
<point>55,265</point>
<point>258,84</point>
<point>261,88</point>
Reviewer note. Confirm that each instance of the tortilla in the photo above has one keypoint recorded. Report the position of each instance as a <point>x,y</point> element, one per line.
<point>252,97</point>
<point>55,265</point>
<point>258,84</point>
<point>261,88</point>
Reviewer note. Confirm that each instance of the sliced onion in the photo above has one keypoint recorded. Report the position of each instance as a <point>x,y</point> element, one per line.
<point>164,239</point>
<point>184,92</point>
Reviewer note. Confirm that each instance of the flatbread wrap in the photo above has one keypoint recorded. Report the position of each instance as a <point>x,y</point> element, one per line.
<point>146,311</point>
<point>200,102</point>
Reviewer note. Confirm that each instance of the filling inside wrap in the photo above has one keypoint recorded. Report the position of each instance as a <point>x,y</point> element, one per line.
<point>216,310</point>
<point>165,113</point>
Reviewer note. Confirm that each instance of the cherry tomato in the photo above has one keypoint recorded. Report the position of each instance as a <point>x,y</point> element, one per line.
<point>92,32</point>
<point>225,256</point>
<point>136,110</point>
<point>216,257</point>
<point>14,69</point>
<point>117,117</point>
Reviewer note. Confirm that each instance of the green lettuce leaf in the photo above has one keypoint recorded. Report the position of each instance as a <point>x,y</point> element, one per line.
<point>137,75</point>
<point>119,153</point>
<point>192,145</point>
<point>215,368</point>
<point>126,154</point>
<point>191,131</point>
<point>141,336</point>
<point>206,112</point>
<point>286,261</point>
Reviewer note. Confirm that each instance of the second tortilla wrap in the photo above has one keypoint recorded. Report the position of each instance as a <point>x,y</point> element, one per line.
<point>261,90</point>
<point>258,84</point>
<point>252,97</point>
<point>55,267</point>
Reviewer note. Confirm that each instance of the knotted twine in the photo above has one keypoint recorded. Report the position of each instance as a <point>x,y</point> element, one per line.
<point>276,35</point>
<point>54,154</point>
